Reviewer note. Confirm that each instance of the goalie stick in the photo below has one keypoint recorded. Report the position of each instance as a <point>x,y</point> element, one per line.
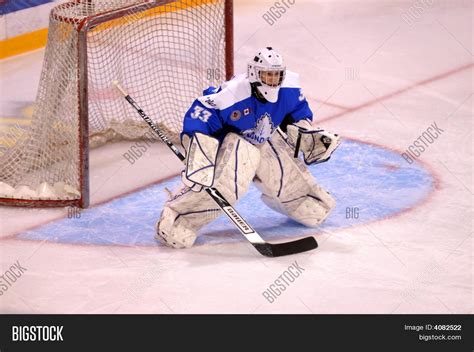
<point>264,248</point>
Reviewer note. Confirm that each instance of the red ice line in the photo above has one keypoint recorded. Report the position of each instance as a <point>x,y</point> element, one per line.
<point>395,93</point>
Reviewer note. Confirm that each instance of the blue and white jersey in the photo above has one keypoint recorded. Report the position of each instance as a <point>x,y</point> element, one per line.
<point>232,108</point>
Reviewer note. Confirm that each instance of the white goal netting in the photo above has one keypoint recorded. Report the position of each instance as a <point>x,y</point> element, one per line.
<point>163,52</point>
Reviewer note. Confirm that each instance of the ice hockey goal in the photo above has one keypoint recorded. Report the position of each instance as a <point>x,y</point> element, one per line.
<point>164,52</point>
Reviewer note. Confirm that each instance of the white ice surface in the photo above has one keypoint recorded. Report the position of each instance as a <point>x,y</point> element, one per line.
<point>417,262</point>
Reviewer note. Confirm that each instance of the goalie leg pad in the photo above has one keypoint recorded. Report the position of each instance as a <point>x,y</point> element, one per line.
<point>174,233</point>
<point>201,159</point>
<point>288,187</point>
<point>187,211</point>
<point>237,163</point>
<point>307,210</point>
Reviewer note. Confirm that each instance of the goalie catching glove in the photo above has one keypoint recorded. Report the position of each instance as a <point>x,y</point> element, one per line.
<point>316,144</point>
<point>200,161</point>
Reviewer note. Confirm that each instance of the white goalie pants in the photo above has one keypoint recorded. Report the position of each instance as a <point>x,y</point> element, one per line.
<point>286,184</point>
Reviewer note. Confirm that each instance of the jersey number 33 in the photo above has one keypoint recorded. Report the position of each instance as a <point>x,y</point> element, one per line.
<point>201,114</point>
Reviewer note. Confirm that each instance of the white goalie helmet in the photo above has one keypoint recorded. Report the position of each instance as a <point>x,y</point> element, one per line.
<point>267,71</point>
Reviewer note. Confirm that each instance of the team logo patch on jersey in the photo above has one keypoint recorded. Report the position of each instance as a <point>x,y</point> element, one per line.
<point>246,111</point>
<point>262,131</point>
<point>211,102</point>
<point>235,115</point>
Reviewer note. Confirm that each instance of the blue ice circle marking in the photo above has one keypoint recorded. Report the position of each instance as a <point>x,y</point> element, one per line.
<point>372,181</point>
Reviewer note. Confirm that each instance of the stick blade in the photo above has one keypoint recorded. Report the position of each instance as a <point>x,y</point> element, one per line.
<point>287,248</point>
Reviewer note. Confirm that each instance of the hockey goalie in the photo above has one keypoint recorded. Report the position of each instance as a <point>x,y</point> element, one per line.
<point>251,129</point>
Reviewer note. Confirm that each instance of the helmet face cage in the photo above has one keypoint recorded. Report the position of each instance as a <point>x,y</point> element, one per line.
<point>271,77</point>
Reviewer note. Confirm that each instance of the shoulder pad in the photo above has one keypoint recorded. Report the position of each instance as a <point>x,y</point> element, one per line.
<point>231,92</point>
<point>292,80</point>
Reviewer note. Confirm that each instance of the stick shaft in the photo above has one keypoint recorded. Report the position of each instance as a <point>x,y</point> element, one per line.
<point>150,122</point>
